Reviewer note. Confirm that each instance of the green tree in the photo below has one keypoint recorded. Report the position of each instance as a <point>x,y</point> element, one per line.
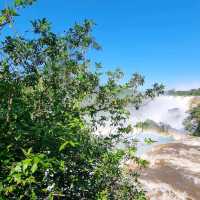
<point>192,122</point>
<point>8,14</point>
<point>51,105</point>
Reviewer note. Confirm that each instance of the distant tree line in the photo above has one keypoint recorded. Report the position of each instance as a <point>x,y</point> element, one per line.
<point>192,92</point>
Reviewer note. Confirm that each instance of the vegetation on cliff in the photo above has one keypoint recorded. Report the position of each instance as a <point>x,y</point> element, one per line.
<point>152,125</point>
<point>192,122</point>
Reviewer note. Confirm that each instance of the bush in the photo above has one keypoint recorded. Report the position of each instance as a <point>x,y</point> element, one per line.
<point>192,122</point>
<point>51,105</point>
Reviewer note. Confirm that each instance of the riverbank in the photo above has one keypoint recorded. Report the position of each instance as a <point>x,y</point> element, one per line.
<point>174,166</point>
<point>174,171</point>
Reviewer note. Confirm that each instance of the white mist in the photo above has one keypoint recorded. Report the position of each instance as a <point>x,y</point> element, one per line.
<point>170,110</point>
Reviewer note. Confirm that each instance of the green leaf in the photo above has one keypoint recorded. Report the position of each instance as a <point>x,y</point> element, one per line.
<point>132,151</point>
<point>67,144</point>
<point>28,152</point>
<point>25,164</point>
<point>34,167</point>
<point>23,3</point>
<point>18,2</point>
<point>18,168</point>
<point>143,162</point>
<point>17,178</point>
<point>33,195</point>
<point>149,141</point>
<point>1,187</point>
<point>2,19</point>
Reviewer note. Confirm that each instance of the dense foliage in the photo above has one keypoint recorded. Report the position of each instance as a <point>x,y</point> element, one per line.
<point>51,105</point>
<point>192,122</point>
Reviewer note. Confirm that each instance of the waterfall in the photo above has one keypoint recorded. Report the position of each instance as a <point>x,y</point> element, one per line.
<point>171,110</point>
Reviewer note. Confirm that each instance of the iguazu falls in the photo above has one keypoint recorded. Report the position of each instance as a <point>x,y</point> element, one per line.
<point>99,100</point>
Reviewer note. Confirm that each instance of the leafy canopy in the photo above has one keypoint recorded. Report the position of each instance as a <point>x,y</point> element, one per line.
<point>51,105</point>
<point>7,15</point>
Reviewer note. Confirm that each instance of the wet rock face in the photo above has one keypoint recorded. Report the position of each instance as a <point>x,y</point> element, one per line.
<point>174,171</point>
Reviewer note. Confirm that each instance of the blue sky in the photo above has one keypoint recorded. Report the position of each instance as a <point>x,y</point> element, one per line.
<point>157,38</point>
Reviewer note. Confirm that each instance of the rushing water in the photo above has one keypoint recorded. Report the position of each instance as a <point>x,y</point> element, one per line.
<point>168,110</point>
<point>174,170</point>
<point>142,147</point>
<point>171,110</point>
